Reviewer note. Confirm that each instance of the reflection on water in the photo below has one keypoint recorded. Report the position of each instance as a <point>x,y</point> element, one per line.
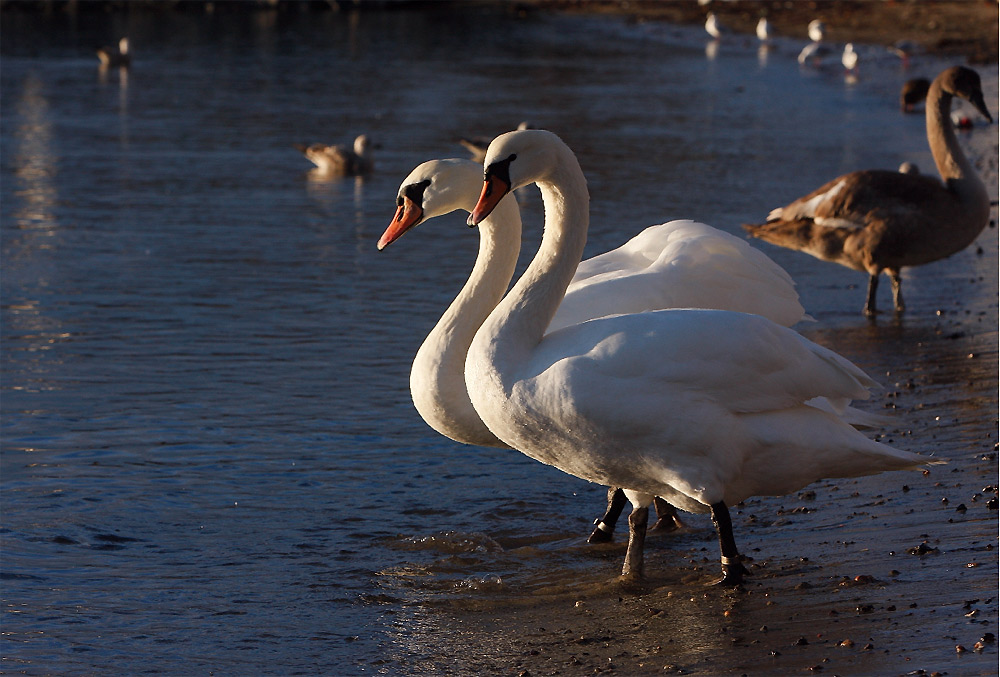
<point>209,450</point>
<point>34,159</point>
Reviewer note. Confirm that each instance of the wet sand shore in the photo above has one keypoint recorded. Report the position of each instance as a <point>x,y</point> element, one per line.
<point>887,575</point>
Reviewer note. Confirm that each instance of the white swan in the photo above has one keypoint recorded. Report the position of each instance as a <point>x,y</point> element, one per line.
<point>703,407</point>
<point>676,264</point>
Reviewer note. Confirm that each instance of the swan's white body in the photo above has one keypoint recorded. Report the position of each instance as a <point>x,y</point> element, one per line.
<point>702,407</point>
<point>672,265</point>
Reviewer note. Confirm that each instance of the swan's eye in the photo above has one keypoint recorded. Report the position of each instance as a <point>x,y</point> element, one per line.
<point>500,169</point>
<point>415,192</point>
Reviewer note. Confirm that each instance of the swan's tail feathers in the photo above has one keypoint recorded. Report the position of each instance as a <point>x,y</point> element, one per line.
<point>851,415</point>
<point>792,234</point>
<point>825,242</point>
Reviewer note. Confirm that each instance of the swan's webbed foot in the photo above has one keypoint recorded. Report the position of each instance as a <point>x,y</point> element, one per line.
<point>604,527</point>
<point>599,535</point>
<point>667,519</point>
<point>732,573</point>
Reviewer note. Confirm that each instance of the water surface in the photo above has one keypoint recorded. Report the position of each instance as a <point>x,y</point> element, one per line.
<point>210,459</point>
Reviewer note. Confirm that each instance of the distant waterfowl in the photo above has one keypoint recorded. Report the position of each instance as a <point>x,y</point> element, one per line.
<point>676,264</point>
<point>340,160</point>
<point>816,30</point>
<point>816,51</point>
<point>814,54</point>
<point>904,49</point>
<point>115,56</point>
<point>908,168</point>
<point>849,58</point>
<point>876,220</point>
<point>702,407</point>
<point>715,27</point>
<point>764,33</point>
<point>913,93</point>
<point>477,145</point>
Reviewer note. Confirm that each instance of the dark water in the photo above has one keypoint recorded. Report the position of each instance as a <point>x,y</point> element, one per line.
<point>210,459</point>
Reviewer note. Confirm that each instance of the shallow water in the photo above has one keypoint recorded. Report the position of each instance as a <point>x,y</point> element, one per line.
<point>210,459</point>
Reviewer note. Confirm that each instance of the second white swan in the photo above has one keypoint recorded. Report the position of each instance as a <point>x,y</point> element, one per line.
<point>702,407</point>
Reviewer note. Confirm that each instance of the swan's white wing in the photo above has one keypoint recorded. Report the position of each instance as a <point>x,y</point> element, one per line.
<point>739,362</point>
<point>680,264</point>
<point>706,403</point>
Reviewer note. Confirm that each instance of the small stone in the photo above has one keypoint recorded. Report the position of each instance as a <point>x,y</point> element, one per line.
<point>921,549</point>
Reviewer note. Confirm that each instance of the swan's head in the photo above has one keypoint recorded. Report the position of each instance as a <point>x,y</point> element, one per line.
<point>964,83</point>
<point>513,160</point>
<point>433,189</point>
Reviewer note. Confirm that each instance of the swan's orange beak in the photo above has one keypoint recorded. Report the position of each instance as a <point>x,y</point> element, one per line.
<point>408,214</point>
<point>494,188</point>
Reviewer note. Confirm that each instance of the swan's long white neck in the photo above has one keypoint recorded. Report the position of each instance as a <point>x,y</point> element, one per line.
<point>517,325</point>
<point>956,171</point>
<point>437,377</point>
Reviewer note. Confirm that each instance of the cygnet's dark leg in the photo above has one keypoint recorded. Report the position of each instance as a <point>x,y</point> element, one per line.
<point>872,289</point>
<point>897,290</point>
<point>605,526</point>
<point>667,518</point>
<point>632,571</point>
<point>732,568</point>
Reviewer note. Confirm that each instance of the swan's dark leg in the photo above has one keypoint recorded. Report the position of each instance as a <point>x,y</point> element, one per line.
<point>606,525</point>
<point>667,518</point>
<point>632,571</point>
<point>897,290</point>
<point>872,289</point>
<point>732,569</point>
